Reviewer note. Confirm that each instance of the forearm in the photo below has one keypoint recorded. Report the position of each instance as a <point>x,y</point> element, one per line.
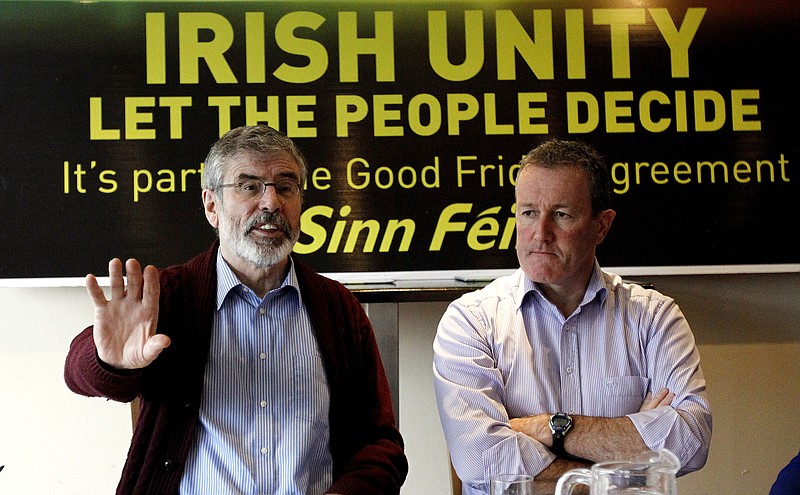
<point>560,466</point>
<point>591,438</point>
<point>545,482</point>
<point>604,439</point>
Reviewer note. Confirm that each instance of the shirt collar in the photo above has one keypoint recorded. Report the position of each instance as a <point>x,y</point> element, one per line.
<point>228,281</point>
<point>596,289</point>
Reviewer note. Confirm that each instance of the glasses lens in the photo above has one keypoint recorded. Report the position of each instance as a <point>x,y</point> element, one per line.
<point>254,188</point>
<point>251,188</point>
<point>286,188</point>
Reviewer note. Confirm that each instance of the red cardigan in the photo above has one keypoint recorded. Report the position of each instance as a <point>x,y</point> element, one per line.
<point>366,446</point>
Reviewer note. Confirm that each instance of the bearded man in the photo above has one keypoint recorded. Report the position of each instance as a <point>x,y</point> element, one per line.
<point>254,374</point>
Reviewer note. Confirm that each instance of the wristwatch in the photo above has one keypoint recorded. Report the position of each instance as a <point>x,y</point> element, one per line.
<point>560,423</point>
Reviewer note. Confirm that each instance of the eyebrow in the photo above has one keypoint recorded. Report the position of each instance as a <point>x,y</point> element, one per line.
<point>282,175</point>
<point>528,204</point>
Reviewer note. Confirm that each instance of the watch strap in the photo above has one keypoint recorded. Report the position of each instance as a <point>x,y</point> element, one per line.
<point>559,433</point>
<point>558,444</point>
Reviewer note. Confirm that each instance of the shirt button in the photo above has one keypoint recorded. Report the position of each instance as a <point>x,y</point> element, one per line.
<point>264,450</point>
<point>263,403</point>
<point>569,369</point>
<point>263,355</point>
<point>262,310</point>
<point>169,465</point>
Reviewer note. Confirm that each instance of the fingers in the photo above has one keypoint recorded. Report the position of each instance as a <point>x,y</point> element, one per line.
<point>137,283</point>
<point>95,291</point>
<point>133,272</point>
<point>151,288</point>
<point>115,280</point>
<point>661,398</point>
<point>131,283</point>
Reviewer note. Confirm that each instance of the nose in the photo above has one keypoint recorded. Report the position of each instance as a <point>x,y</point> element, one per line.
<point>543,230</point>
<point>270,200</point>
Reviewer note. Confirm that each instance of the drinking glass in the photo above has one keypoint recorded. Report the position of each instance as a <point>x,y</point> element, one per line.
<point>511,484</point>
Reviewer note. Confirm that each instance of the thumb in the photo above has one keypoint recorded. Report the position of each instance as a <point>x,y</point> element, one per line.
<point>154,345</point>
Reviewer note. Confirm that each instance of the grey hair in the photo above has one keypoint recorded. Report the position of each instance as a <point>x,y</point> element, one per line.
<point>258,140</point>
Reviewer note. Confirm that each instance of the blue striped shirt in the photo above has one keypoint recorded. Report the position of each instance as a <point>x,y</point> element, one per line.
<point>264,426</point>
<point>506,352</point>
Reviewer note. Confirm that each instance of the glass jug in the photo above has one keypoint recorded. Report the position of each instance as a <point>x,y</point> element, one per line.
<point>651,474</point>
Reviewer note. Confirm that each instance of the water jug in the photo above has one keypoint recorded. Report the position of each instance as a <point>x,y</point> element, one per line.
<point>650,474</point>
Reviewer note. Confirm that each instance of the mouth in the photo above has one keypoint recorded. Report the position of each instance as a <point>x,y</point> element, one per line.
<point>270,228</point>
<point>267,230</point>
<point>266,223</point>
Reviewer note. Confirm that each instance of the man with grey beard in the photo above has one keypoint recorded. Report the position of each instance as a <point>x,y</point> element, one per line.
<point>254,374</point>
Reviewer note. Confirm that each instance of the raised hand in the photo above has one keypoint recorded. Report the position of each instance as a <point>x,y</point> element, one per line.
<point>125,325</point>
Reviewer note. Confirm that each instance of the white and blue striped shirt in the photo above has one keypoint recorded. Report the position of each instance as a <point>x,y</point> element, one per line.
<point>264,426</point>
<point>507,352</point>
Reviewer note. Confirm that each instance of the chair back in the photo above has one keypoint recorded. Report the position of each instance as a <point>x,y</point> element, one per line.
<point>455,481</point>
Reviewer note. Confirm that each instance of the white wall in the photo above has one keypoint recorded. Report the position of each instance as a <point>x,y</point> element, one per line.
<point>52,442</point>
<point>748,329</point>
<point>428,461</point>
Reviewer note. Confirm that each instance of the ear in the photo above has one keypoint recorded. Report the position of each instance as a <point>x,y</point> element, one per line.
<point>604,220</point>
<point>210,206</point>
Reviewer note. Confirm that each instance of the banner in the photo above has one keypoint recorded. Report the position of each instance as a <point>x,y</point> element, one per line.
<point>413,117</point>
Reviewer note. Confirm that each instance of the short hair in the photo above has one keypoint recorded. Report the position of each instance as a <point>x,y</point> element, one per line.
<point>556,153</point>
<point>258,140</point>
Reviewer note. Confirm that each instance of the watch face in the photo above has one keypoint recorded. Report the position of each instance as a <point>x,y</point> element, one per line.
<point>560,422</point>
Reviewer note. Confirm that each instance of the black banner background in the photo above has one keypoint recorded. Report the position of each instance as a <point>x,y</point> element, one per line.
<point>56,220</point>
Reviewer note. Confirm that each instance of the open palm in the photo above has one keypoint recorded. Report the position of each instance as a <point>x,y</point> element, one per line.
<point>125,325</point>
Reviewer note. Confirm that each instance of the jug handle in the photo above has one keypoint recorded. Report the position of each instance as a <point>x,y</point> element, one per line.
<point>571,478</point>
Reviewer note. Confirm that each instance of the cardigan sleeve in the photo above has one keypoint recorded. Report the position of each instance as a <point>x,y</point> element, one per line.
<point>378,464</point>
<point>85,374</point>
<point>367,448</point>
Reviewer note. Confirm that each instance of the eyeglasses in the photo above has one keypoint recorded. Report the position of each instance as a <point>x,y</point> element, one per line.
<point>254,188</point>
